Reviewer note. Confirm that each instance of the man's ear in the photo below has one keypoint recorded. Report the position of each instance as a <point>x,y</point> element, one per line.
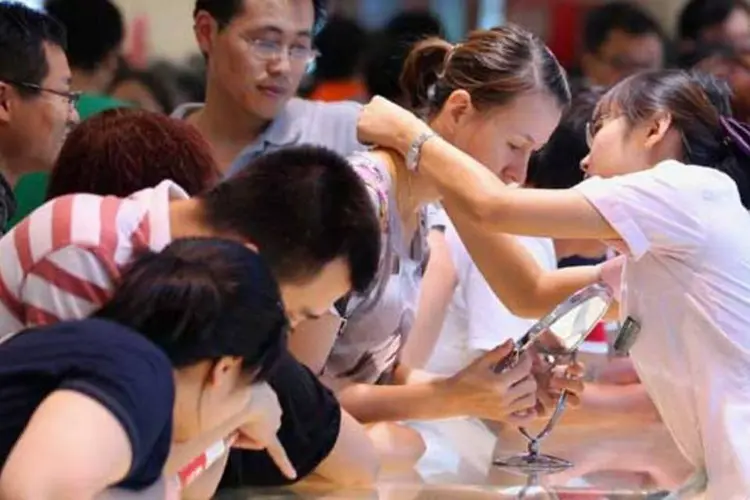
<point>206,29</point>
<point>7,96</point>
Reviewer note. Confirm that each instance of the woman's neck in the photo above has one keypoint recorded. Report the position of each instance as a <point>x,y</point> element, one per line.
<point>412,191</point>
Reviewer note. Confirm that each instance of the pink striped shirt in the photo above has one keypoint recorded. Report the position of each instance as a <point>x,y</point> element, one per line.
<point>63,260</point>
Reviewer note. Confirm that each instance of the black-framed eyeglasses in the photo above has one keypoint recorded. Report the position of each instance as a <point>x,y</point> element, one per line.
<point>71,96</point>
<point>271,49</point>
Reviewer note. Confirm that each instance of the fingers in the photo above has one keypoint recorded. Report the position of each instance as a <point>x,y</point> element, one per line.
<point>564,384</point>
<point>525,386</point>
<point>247,443</point>
<point>497,354</point>
<point>575,370</point>
<point>521,418</point>
<point>277,453</point>
<point>516,373</point>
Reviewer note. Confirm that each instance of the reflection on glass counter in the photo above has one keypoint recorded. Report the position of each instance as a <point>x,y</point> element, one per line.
<point>640,462</point>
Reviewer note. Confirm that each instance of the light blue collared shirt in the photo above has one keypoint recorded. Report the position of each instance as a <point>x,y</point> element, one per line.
<point>329,124</point>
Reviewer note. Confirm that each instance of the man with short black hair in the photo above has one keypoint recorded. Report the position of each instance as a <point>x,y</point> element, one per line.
<point>620,39</point>
<point>95,32</point>
<point>714,22</point>
<point>257,54</point>
<point>36,103</point>
<point>304,209</point>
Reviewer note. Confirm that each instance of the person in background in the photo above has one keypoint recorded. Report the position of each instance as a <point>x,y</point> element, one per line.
<point>144,89</point>
<point>121,151</point>
<point>390,47</point>
<point>732,64</point>
<point>619,39</point>
<point>95,32</point>
<point>304,209</point>
<point>37,106</point>
<point>256,55</point>
<point>342,44</point>
<point>171,364</point>
<point>707,22</point>
<point>95,35</point>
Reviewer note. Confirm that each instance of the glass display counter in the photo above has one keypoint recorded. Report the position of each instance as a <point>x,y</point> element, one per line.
<point>638,461</point>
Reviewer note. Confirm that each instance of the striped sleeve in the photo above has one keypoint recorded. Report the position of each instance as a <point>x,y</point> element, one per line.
<point>69,283</point>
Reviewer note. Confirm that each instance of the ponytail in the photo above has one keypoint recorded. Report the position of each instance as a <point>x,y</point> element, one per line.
<point>421,72</point>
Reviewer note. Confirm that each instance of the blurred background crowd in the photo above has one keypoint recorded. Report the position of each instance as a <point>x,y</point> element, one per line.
<point>144,52</point>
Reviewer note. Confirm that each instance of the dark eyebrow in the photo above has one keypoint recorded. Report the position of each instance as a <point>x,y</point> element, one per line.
<point>275,30</point>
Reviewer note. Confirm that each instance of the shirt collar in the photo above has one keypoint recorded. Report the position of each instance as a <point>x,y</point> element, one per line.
<point>283,130</point>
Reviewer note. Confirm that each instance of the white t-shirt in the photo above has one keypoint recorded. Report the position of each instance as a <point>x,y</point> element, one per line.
<point>687,281</point>
<point>476,320</point>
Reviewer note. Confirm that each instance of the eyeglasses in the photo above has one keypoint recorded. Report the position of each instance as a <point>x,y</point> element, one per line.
<point>269,49</point>
<point>72,97</point>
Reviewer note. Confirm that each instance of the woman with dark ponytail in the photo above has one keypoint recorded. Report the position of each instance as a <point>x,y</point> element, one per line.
<point>669,188</point>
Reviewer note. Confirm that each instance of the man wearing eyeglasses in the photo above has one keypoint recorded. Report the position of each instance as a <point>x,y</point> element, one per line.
<point>257,52</point>
<point>37,107</point>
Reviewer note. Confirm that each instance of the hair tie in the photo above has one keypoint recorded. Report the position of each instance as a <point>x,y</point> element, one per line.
<point>736,133</point>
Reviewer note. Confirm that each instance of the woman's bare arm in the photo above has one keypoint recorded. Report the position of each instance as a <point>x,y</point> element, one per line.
<point>73,447</point>
<point>354,460</point>
<point>436,292</point>
<point>524,287</point>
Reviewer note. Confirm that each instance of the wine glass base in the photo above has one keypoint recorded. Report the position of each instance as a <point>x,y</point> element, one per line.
<point>534,463</point>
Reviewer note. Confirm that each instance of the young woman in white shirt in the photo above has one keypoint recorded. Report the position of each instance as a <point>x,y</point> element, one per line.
<point>669,188</point>
<point>460,317</point>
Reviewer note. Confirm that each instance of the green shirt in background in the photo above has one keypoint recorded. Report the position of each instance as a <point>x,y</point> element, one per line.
<point>31,190</point>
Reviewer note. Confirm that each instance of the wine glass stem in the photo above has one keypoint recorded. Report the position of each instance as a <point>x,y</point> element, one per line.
<point>534,447</point>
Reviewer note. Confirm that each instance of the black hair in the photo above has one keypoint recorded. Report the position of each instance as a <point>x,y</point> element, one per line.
<point>95,30</point>
<point>303,207</point>
<point>223,11</point>
<point>203,299</point>
<point>339,60</point>
<point>156,84</point>
<point>391,46</point>
<point>616,16</point>
<point>698,15</point>
<point>696,103</point>
<point>558,164</point>
<point>23,33</point>
<point>414,24</point>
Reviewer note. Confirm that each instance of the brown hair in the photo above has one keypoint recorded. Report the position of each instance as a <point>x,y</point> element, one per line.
<point>697,104</point>
<point>121,151</point>
<point>494,66</point>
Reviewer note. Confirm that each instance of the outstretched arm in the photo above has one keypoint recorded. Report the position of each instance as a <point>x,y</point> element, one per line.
<point>470,188</point>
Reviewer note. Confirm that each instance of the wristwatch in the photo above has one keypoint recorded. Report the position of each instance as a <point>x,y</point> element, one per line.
<point>415,150</point>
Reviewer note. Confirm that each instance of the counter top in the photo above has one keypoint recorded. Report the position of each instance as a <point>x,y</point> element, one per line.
<point>610,462</point>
